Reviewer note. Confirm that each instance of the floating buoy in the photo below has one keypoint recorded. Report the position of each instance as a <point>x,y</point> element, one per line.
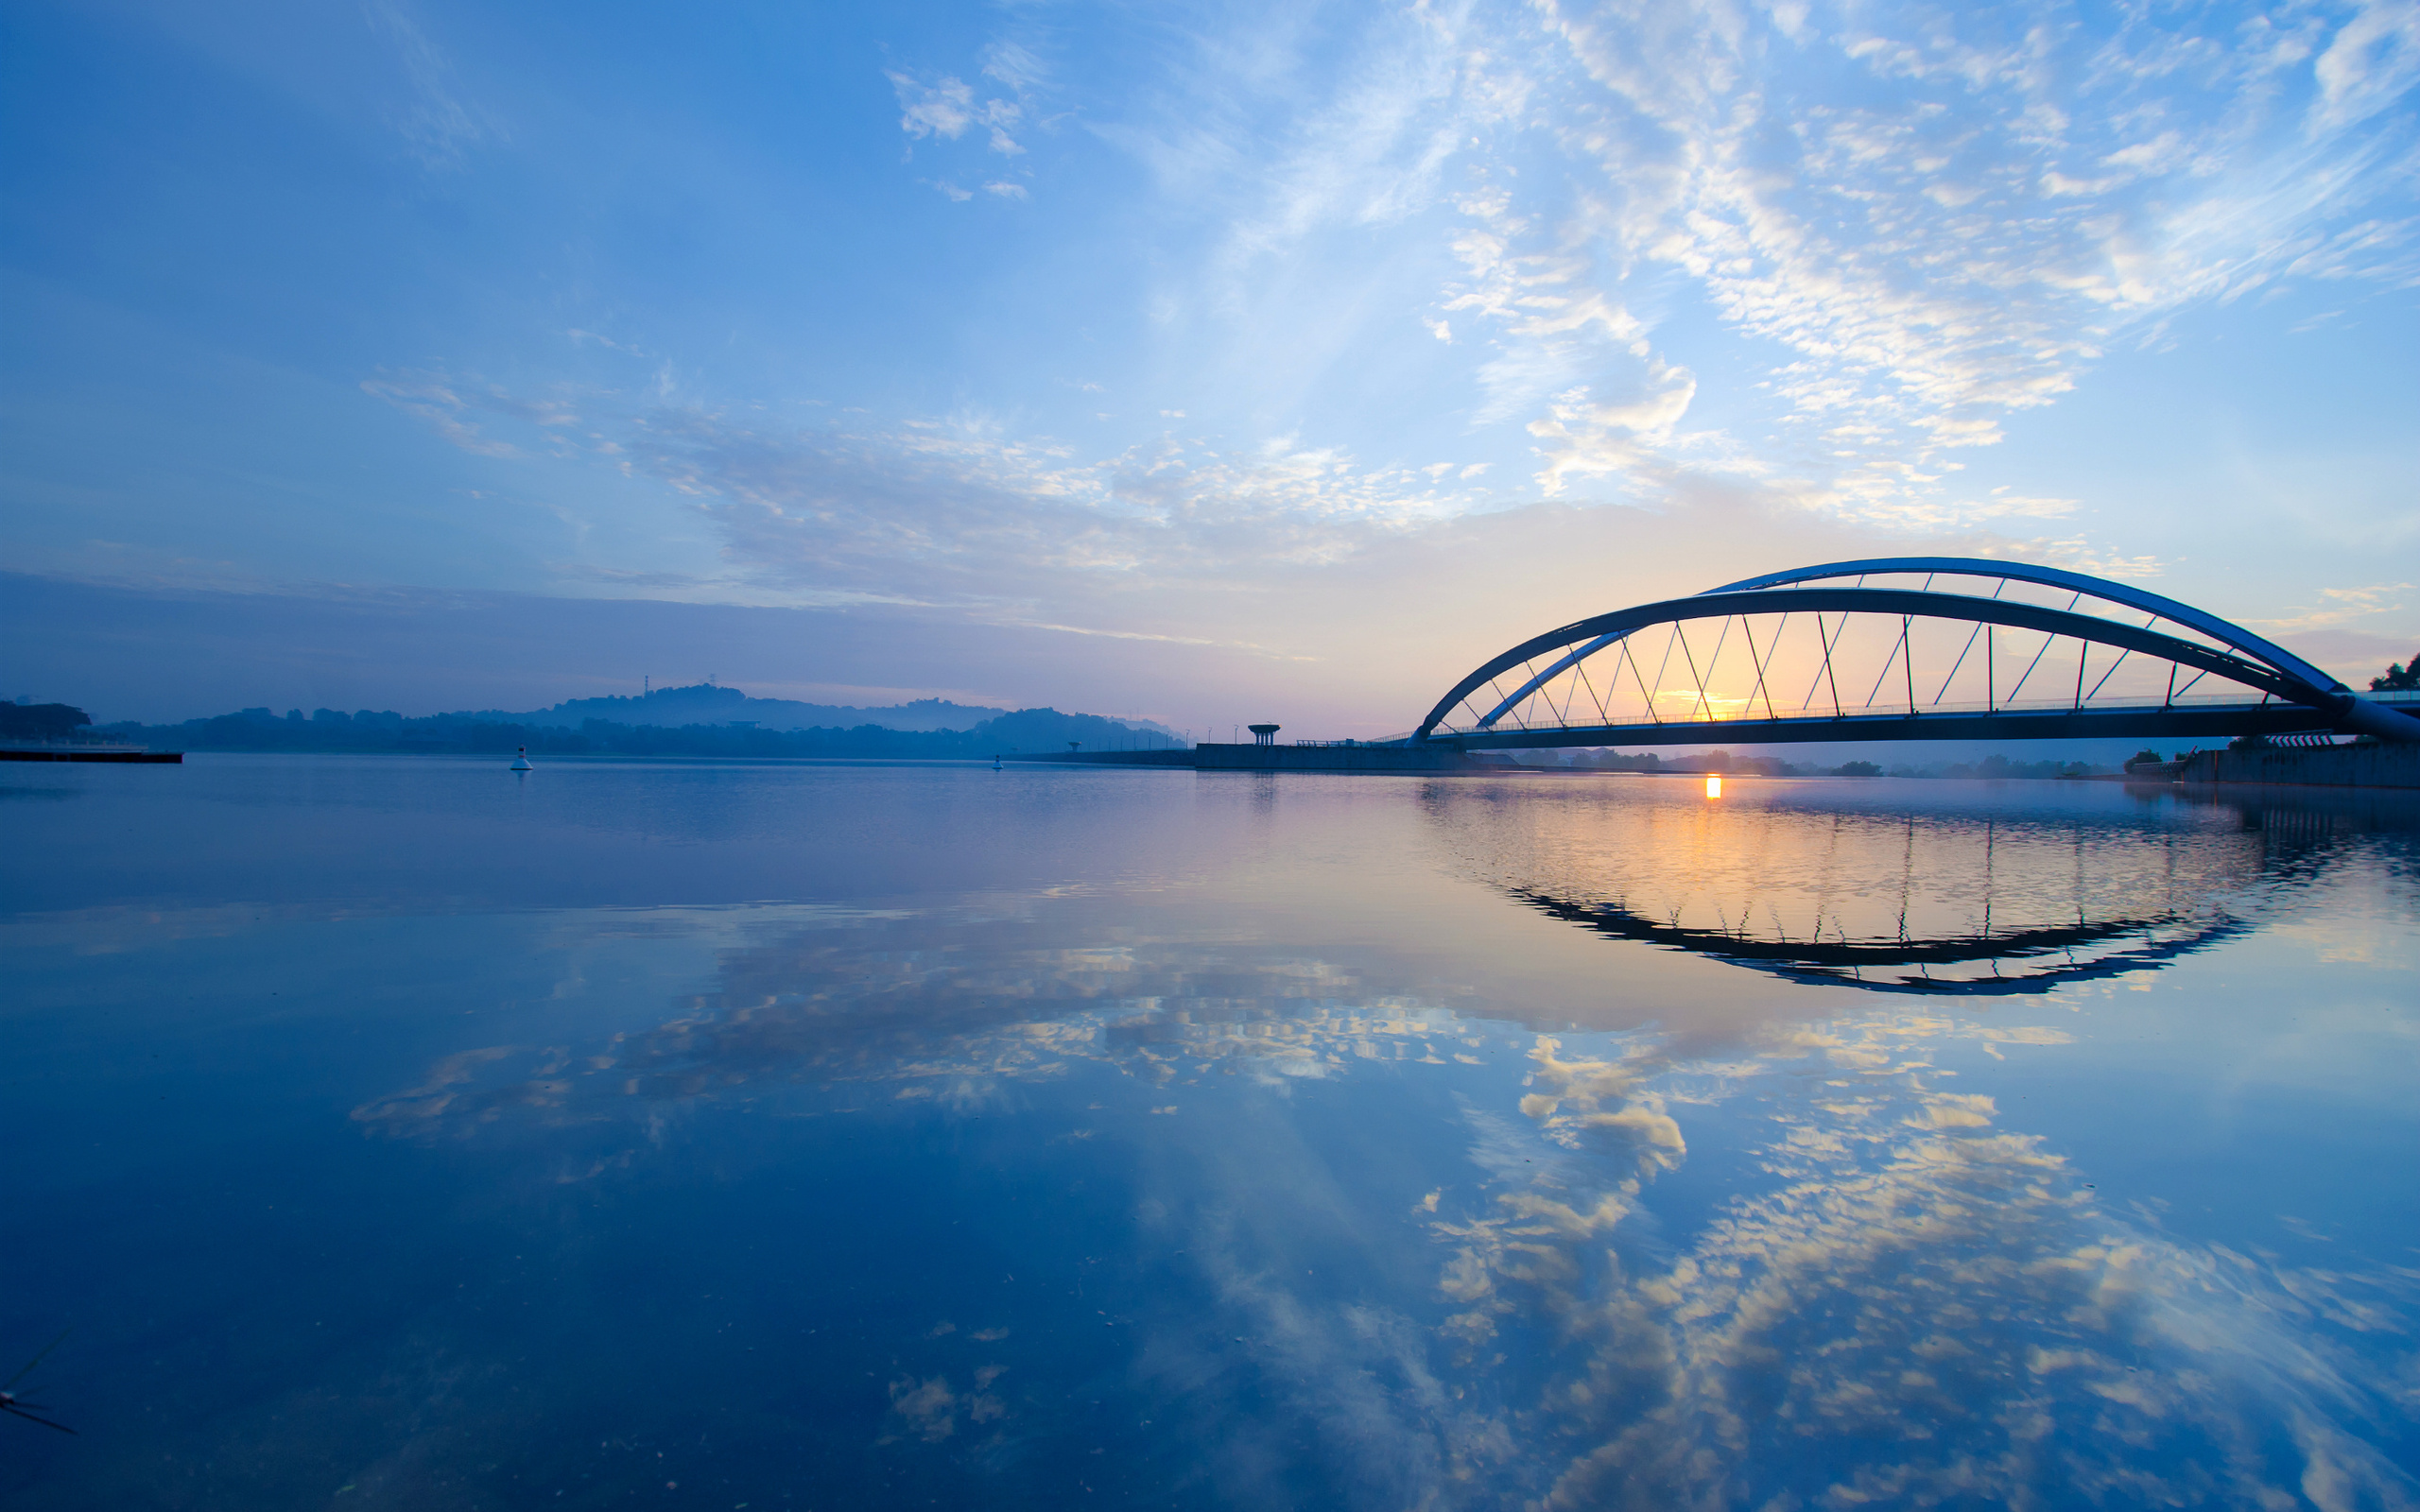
<point>521,762</point>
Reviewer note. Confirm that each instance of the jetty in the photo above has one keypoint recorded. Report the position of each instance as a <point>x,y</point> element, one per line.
<point>129,754</point>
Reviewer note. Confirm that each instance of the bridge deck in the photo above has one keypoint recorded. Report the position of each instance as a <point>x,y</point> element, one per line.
<point>2197,722</point>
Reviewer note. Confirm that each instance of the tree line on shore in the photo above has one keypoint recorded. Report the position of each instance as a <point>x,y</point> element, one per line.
<point>331,730</point>
<point>42,721</point>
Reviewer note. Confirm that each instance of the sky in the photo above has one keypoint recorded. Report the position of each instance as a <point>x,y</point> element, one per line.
<point>1202,363</point>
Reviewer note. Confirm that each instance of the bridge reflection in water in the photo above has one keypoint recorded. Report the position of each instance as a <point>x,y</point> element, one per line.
<point>2028,960</point>
<point>1956,890</point>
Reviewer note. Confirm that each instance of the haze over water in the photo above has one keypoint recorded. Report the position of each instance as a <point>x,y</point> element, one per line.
<point>399,1133</point>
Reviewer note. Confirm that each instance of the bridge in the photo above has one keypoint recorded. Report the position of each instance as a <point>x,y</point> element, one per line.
<point>1899,648</point>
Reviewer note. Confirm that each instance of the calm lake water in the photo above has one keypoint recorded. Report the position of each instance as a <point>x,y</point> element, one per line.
<point>402,1133</point>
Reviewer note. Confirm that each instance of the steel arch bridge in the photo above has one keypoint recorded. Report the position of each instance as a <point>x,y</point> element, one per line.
<point>1899,648</point>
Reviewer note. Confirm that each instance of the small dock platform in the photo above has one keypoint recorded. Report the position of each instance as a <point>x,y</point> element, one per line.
<point>91,754</point>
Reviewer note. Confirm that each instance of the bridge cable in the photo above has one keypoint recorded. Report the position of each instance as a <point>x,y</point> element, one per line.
<point>1750,630</point>
<point>1961,656</point>
<point>2122,654</point>
<point>1492,688</point>
<point>1651,715</point>
<point>1580,669</point>
<point>1520,711</point>
<point>1689,659</point>
<point>2051,637</point>
<point>1655,694</point>
<point>1907,658</point>
<point>2048,636</point>
<point>1518,717</point>
<point>1991,660</point>
<point>1571,694</point>
<point>1876,691</point>
<point>1808,702</point>
<point>1546,693</point>
<point>1713,664</point>
<point>1959,662</point>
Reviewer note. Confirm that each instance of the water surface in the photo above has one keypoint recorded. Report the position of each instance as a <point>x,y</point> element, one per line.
<point>399,1132</point>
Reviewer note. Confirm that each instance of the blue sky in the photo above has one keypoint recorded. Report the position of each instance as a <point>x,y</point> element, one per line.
<point>1316,352</point>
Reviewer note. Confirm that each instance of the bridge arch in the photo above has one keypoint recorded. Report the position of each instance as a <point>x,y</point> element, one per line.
<point>1555,699</point>
<point>2234,637</point>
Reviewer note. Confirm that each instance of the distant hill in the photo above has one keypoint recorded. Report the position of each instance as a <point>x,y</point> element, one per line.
<point>704,703</point>
<point>702,721</point>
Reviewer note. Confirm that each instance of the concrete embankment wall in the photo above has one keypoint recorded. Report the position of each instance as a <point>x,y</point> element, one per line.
<point>1105,758</point>
<point>2324,767</point>
<point>1241,758</point>
<point>1213,758</point>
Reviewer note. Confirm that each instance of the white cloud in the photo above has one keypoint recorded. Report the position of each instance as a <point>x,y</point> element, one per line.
<point>1942,225</point>
<point>945,109</point>
<point>999,115</point>
<point>1014,64</point>
<point>433,401</point>
<point>2371,62</point>
<point>1288,134</point>
<point>952,511</point>
<point>440,126</point>
<point>1866,238</point>
<point>2344,604</point>
<point>1584,438</point>
<point>942,109</point>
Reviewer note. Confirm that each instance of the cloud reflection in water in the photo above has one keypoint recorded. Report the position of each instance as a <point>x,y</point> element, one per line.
<point>1896,1298</point>
<point>1915,1307</point>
